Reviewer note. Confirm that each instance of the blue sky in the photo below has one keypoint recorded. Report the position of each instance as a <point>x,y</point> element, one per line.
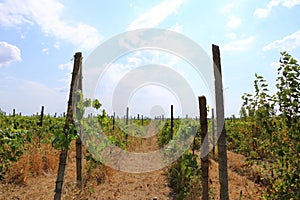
<point>39,38</point>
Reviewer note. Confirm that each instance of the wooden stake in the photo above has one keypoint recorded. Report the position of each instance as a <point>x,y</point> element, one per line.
<point>114,121</point>
<point>213,131</point>
<point>78,60</point>
<point>127,115</point>
<point>204,159</point>
<point>172,122</point>
<point>69,120</point>
<point>42,116</point>
<point>222,150</point>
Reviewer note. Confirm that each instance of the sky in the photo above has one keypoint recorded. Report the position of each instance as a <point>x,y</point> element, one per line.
<point>38,40</point>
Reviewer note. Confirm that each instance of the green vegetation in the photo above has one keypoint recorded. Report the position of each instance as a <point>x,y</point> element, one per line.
<point>184,174</point>
<point>268,132</point>
<point>19,133</point>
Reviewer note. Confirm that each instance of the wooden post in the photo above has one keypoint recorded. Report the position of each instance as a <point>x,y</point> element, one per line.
<point>114,118</point>
<point>42,116</point>
<point>127,115</point>
<point>194,131</point>
<point>172,122</point>
<point>204,159</point>
<point>64,152</point>
<point>213,130</point>
<point>222,150</point>
<point>78,62</point>
<point>14,112</point>
<point>142,120</point>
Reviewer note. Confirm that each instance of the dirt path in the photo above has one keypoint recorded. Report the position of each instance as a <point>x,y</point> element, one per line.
<point>106,183</point>
<point>240,187</point>
<point>122,185</point>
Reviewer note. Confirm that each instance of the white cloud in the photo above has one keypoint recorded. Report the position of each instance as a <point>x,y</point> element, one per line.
<point>290,3</point>
<point>238,45</point>
<point>47,14</point>
<point>234,22</point>
<point>66,66</point>
<point>9,53</point>
<point>275,65</point>
<point>156,14</point>
<point>45,50</point>
<point>177,28</point>
<point>264,12</point>
<point>289,42</point>
<point>227,8</point>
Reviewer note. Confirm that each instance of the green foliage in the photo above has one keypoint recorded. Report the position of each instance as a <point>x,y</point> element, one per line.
<point>11,146</point>
<point>92,126</point>
<point>63,140</point>
<point>288,85</point>
<point>17,133</point>
<point>64,136</point>
<point>184,173</point>
<point>96,104</point>
<point>269,130</point>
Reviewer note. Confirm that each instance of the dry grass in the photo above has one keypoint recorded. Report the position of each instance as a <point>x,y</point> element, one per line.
<point>34,175</point>
<point>35,162</point>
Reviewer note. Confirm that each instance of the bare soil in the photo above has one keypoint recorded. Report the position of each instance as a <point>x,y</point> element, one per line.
<point>106,183</point>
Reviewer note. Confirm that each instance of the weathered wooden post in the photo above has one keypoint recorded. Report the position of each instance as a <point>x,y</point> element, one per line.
<point>42,116</point>
<point>127,115</point>
<point>204,140</point>
<point>172,122</point>
<point>213,130</point>
<point>78,61</point>
<point>69,120</point>
<point>194,130</point>
<point>114,121</point>
<point>222,150</point>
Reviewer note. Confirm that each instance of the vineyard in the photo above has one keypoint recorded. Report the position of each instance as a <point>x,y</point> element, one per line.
<point>263,150</point>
